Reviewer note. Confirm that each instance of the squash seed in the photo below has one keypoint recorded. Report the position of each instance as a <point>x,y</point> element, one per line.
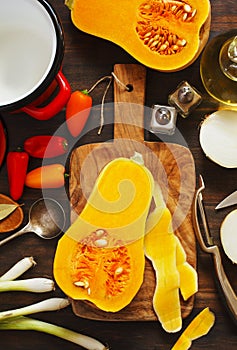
<point>101,243</point>
<point>84,284</point>
<point>100,232</point>
<point>118,271</point>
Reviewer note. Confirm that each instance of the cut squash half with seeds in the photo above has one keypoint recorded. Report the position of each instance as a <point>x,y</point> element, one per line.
<point>166,35</point>
<point>100,258</point>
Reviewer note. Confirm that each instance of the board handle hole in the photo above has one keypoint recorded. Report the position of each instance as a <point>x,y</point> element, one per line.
<point>129,87</point>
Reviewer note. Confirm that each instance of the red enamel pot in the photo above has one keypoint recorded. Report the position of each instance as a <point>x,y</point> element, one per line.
<point>32,50</point>
<point>3,142</point>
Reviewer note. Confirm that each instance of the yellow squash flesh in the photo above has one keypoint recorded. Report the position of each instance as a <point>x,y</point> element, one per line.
<point>163,35</point>
<point>188,277</point>
<point>168,258</point>
<point>100,258</point>
<point>199,327</point>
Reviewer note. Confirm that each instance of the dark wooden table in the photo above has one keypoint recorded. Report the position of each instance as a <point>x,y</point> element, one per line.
<point>86,59</point>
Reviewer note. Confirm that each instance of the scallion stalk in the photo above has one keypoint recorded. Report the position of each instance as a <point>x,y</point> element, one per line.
<point>51,304</point>
<point>35,285</point>
<point>27,323</point>
<point>18,269</point>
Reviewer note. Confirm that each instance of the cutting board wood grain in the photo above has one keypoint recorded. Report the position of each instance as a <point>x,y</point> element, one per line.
<point>172,166</point>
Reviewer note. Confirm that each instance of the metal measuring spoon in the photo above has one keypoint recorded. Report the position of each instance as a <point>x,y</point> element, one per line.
<point>46,219</point>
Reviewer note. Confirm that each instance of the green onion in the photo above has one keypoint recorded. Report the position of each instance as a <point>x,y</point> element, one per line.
<point>51,304</point>
<point>35,285</point>
<point>26,323</point>
<point>18,269</point>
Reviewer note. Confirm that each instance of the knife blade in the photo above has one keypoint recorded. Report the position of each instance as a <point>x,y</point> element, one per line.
<point>229,200</point>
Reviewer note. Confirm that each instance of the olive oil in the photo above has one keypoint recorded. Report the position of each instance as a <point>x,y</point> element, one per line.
<point>216,81</point>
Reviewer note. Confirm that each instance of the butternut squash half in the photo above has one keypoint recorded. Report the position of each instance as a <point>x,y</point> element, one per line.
<point>166,35</point>
<point>100,258</point>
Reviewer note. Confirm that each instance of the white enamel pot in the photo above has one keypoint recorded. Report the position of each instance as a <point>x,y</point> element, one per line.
<point>32,50</point>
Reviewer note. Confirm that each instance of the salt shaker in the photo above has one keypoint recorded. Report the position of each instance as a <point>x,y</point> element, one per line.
<point>163,119</point>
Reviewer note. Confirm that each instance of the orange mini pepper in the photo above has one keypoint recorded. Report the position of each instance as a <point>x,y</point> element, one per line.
<point>46,176</point>
<point>77,111</point>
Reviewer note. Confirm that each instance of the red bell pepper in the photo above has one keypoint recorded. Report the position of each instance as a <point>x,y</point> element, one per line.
<point>46,176</point>
<point>77,111</point>
<point>17,164</point>
<point>45,146</point>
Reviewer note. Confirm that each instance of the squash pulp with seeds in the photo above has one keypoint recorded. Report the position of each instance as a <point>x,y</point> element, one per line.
<point>166,35</point>
<point>100,258</point>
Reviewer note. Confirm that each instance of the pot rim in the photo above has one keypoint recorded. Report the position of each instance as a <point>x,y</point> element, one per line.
<point>55,67</point>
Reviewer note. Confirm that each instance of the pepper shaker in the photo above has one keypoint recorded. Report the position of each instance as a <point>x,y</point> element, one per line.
<point>185,99</point>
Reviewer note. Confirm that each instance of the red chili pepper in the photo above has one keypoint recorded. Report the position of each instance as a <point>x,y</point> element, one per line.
<point>77,111</point>
<point>46,146</point>
<point>46,176</point>
<point>17,164</point>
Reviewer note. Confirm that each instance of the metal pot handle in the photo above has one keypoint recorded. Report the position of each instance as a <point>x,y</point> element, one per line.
<point>228,294</point>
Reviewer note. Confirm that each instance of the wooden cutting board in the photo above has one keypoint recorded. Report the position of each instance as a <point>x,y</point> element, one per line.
<point>172,166</point>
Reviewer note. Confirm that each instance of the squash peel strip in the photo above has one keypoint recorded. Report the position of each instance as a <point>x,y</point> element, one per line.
<point>163,248</point>
<point>199,327</point>
<point>188,275</point>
